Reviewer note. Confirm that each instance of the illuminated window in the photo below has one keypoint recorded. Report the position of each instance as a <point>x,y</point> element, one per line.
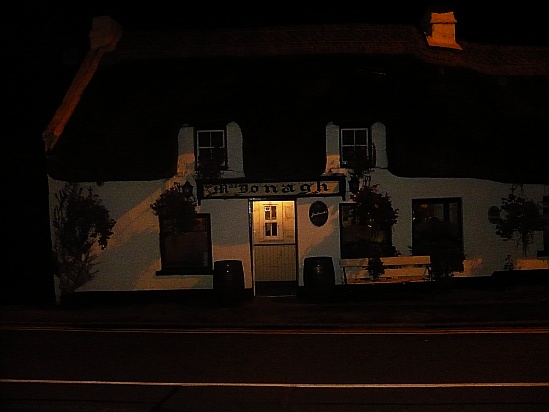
<point>211,151</point>
<point>189,250</point>
<point>356,148</point>
<point>270,222</point>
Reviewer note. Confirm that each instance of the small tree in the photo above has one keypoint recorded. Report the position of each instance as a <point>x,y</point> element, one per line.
<point>79,221</point>
<point>521,218</point>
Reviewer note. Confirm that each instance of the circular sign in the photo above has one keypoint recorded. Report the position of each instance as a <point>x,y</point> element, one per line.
<point>318,213</point>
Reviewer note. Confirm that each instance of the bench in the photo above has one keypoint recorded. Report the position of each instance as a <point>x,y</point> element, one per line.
<point>415,267</point>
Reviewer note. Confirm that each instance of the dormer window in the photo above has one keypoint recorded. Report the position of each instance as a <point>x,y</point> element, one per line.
<point>356,149</point>
<point>211,152</point>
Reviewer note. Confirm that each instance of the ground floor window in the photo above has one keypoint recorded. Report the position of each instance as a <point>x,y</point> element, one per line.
<point>187,251</point>
<point>437,230</point>
<point>362,239</point>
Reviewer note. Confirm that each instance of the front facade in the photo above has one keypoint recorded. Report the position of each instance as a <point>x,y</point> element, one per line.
<point>272,224</point>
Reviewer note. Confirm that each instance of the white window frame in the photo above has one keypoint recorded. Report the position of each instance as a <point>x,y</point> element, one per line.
<point>201,135</point>
<point>276,221</point>
<point>366,145</point>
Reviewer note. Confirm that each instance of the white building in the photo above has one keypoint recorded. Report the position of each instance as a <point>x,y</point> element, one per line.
<point>272,222</point>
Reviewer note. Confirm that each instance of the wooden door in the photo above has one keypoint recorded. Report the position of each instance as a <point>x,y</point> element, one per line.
<point>274,244</point>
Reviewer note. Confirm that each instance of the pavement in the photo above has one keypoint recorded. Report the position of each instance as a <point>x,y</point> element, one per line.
<point>502,301</point>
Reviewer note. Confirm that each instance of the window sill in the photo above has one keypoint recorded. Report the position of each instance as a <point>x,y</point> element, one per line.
<point>200,271</point>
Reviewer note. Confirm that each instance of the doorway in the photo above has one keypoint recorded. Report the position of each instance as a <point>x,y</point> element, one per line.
<point>274,244</point>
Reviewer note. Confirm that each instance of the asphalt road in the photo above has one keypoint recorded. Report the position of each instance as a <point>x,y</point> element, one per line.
<point>95,369</point>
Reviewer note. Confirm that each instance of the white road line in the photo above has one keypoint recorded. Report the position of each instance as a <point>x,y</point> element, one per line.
<point>350,331</point>
<point>287,385</point>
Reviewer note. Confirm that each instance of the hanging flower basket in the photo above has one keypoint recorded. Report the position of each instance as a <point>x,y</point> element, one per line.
<point>521,218</point>
<point>176,212</point>
<point>375,217</point>
<point>374,206</point>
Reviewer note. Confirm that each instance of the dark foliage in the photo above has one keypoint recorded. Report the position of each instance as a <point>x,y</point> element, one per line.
<point>80,220</point>
<point>521,219</point>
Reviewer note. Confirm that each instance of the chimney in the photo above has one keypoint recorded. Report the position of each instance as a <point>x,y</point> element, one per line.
<point>442,30</point>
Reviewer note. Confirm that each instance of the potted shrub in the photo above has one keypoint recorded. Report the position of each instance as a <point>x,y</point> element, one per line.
<point>375,268</point>
<point>446,258</point>
<point>521,218</point>
<point>80,220</point>
<point>176,210</point>
<point>211,167</point>
<point>436,238</point>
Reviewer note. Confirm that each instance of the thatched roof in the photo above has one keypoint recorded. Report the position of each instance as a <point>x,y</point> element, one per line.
<point>477,112</point>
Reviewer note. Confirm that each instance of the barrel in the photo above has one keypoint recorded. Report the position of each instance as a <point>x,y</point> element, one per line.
<point>318,278</point>
<point>228,282</point>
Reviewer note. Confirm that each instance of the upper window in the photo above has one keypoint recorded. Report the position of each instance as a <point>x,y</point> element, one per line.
<point>356,149</point>
<point>211,152</point>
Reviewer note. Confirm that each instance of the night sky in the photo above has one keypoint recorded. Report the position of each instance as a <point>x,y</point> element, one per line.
<point>45,41</point>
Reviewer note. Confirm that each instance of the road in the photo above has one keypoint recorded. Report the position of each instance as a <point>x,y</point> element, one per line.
<point>204,370</point>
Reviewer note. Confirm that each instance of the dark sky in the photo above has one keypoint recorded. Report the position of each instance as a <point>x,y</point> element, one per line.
<point>507,22</point>
<point>46,40</point>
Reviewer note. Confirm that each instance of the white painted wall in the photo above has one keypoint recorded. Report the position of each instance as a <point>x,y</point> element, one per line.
<point>230,232</point>
<point>132,257</point>
<point>318,240</point>
<point>485,252</point>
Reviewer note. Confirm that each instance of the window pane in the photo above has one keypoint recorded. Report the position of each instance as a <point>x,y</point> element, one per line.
<point>204,154</point>
<point>361,137</point>
<point>347,137</point>
<point>211,145</point>
<point>203,139</point>
<point>361,152</point>
<point>354,146</point>
<point>187,251</point>
<point>453,212</point>
<point>217,139</point>
<point>347,154</point>
<point>437,231</point>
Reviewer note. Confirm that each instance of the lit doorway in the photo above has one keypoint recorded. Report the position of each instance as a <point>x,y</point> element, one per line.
<point>274,243</point>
